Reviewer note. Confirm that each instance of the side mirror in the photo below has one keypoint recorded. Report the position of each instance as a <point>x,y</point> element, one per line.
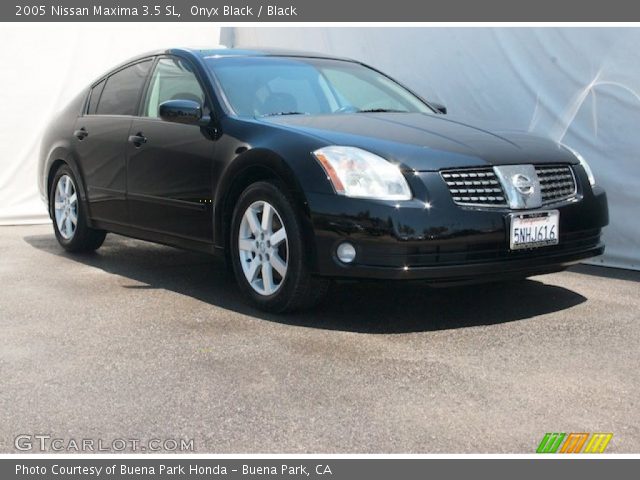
<point>181,111</point>
<point>439,107</point>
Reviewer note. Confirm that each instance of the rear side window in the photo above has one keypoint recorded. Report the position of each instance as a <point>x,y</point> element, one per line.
<point>120,94</point>
<point>95,97</point>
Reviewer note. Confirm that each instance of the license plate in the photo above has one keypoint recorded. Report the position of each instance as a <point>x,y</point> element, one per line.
<point>533,230</point>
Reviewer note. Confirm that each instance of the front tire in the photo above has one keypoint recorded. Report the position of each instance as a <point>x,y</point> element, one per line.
<point>268,252</point>
<point>69,215</point>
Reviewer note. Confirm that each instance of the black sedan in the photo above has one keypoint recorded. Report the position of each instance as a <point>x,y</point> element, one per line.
<point>301,169</point>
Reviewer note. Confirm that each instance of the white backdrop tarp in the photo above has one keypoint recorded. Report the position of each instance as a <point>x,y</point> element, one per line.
<point>580,86</point>
<point>45,66</point>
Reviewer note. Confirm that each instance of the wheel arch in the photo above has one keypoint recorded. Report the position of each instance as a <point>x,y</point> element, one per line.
<point>60,157</point>
<point>250,167</point>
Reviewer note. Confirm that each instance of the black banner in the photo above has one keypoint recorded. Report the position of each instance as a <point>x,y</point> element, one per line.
<point>324,11</point>
<point>317,468</point>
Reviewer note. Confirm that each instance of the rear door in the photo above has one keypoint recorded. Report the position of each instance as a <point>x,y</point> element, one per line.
<point>101,140</point>
<point>169,172</point>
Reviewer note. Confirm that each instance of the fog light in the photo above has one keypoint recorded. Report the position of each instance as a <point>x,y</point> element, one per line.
<point>346,252</point>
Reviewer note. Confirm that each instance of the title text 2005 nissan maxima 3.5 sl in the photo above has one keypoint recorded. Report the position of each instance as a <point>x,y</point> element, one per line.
<point>302,169</point>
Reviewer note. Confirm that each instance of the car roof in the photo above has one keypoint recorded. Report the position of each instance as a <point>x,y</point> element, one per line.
<point>260,52</point>
<point>222,52</point>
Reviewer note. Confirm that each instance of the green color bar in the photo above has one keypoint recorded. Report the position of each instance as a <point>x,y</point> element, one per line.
<point>550,442</point>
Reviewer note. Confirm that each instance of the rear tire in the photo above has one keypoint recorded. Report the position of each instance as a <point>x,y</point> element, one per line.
<point>268,253</point>
<point>69,215</point>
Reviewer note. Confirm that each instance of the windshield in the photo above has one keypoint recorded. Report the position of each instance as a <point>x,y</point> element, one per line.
<point>264,86</point>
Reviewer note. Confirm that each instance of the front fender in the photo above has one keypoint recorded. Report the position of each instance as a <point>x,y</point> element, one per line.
<point>258,163</point>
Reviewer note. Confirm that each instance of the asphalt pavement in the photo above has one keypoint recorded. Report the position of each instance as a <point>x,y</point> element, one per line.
<point>141,341</point>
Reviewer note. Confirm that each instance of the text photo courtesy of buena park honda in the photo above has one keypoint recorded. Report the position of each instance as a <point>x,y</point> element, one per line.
<point>317,239</point>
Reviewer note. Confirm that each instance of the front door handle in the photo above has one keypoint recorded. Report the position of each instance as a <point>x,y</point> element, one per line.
<point>81,134</point>
<point>138,139</point>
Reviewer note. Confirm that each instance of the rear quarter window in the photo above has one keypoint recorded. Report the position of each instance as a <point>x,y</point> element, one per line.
<point>94,97</point>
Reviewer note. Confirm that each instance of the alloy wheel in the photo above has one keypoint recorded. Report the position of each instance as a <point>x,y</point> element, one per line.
<point>66,207</point>
<point>263,248</point>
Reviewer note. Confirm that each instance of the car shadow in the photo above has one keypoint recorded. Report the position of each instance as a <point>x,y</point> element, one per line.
<point>364,307</point>
<point>607,272</point>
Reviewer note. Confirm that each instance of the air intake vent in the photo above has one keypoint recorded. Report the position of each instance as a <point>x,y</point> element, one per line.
<point>557,183</point>
<point>474,186</point>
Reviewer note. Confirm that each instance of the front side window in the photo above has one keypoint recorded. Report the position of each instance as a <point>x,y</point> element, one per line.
<point>173,79</point>
<point>122,90</point>
<point>263,86</point>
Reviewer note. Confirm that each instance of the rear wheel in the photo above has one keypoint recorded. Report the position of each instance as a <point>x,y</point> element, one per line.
<point>268,253</point>
<point>69,215</point>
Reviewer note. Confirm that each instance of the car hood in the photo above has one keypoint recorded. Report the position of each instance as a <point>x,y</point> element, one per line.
<point>425,142</point>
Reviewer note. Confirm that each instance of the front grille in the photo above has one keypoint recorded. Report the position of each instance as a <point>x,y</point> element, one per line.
<point>475,186</point>
<point>481,187</point>
<point>557,183</point>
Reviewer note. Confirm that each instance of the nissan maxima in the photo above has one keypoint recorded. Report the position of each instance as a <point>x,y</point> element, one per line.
<point>301,169</point>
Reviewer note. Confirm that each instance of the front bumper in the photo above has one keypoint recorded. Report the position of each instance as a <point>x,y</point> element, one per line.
<point>431,238</point>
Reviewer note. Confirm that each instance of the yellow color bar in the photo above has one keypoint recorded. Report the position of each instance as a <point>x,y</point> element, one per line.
<point>598,442</point>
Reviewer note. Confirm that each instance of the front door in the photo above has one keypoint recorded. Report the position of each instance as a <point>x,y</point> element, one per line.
<point>169,165</point>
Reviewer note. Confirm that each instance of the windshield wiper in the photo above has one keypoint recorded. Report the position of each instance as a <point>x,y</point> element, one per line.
<point>381,110</point>
<point>276,114</point>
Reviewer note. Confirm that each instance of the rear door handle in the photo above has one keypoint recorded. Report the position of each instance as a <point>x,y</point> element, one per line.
<point>81,134</point>
<point>138,139</point>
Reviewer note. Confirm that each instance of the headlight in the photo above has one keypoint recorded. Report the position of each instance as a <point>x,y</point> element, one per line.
<point>585,165</point>
<point>354,172</point>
